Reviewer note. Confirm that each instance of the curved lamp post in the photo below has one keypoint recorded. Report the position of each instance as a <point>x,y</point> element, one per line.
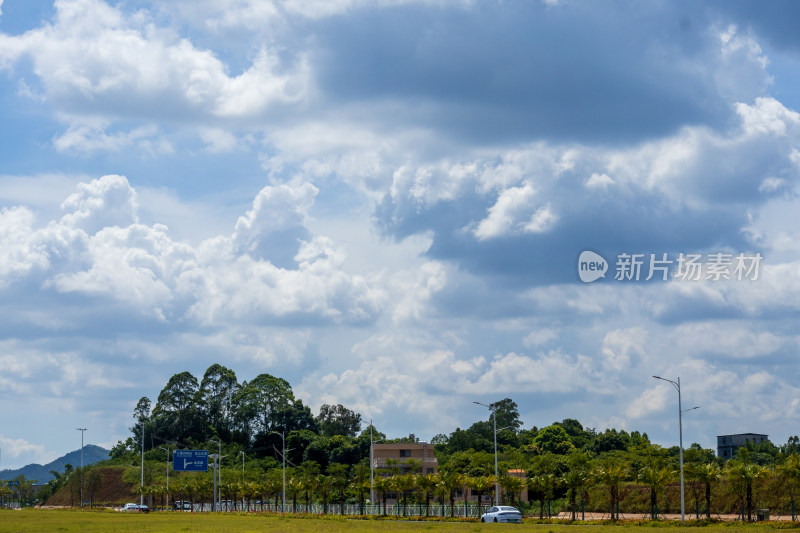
<point>677,385</point>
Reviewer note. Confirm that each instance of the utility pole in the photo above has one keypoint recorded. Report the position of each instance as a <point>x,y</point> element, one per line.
<point>681,411</point>
<point>166,450</point>
<point>141,486</point>
<point>371,463</point>
<point>81,430</point>
<point>282,435</point>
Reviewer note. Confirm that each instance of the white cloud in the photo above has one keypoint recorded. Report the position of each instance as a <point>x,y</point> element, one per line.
<point>107,201</point>
<point>741,74</point>
<point>599,181</point>
<point>87,139</point>
<point>14,449</point>
<point>20,252</point>
<point>218,140</point>
<point>95,57</point>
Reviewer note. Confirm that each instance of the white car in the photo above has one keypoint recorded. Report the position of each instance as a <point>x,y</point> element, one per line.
<point>135,507</point>
<point>502,513</point>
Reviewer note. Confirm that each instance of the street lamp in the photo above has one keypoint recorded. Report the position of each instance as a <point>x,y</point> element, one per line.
<point>216,474</point>
<point>166,450</point>
<point>81,430</point>
<point>283,456</point>
<point>141,489</point>
<point>496,485</point>
<point>371,465</point>
<point>677,385</point>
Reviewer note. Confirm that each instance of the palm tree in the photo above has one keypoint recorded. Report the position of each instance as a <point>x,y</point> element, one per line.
<point>655,478</point>
<point>451,482</point>
<point>441,490</point>
<point>463,482</point>
<point>294,487</point>
<point>405,483</point>
<point>742,474</point>
<point>612,472</point>
<point>323,487</point>
<point>512,485</point>
<point>308,473</point>
<point>339,481</point>
<point>789,471</point>
<point>480,485</point>
<point>425,485</point>
<point>382,484</point>
<point>576,478</point>
<point>360,483</point>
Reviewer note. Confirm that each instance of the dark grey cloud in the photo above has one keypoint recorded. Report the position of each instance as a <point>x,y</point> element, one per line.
<point>522,70</point>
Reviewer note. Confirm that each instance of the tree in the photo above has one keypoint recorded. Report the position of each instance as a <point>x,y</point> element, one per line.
<point>655,478</point>
<point>93,484</point>
<point>426,483</point>
<point>481,485</point>
<point>611,472</point>
<point>176,410</point>
<point>338,420</point>
<point>576,478</point>
<point>512,485</point>
<point>382,485</point>
<point>554,439</point>
<point>215,397</point>
<point>507,413</point>
<point>359,481</point>
<point>789,472</point>
<point>308,475</point>
<point>742,474</point>
<point>260,402</point>
<point>338,476</point>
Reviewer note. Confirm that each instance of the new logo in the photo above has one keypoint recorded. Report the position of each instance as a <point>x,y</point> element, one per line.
<point>591,266</point>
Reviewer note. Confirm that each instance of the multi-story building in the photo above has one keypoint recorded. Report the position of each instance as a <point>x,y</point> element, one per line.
<point>386,456</point>
<point>728,444</point>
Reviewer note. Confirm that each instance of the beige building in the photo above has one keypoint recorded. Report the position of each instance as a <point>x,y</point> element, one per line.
<point>385,456</point>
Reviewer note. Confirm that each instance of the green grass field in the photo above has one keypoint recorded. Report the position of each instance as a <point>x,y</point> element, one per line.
<point>49,520</point>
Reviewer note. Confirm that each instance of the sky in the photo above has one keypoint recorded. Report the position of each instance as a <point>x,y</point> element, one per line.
<point>386,202</point>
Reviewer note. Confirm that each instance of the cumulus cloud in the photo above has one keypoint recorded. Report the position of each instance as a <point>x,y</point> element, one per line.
<point>107,201</point>
<point>95,56</point>
<point>99,248</point>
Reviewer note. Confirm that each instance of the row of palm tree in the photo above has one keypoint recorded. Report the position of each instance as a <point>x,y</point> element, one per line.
<point>307,484</point>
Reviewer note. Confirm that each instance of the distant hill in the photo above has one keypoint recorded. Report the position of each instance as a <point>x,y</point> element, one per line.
<point>91,454</point>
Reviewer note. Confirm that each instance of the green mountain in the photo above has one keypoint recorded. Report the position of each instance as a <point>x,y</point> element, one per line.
<point>91,454</point>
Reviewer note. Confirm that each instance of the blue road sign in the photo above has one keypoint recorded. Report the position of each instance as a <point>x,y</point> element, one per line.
<point>190,460</point>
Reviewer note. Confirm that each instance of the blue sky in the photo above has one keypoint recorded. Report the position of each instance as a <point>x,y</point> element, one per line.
<point>384,202</point>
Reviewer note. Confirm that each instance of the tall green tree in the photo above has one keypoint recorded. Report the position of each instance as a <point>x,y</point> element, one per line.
<point>218,388</point>
<point>259,403</point>
<point>176,411</point>
<point>338,420</point>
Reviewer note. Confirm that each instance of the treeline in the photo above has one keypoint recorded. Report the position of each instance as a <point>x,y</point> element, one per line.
<point>566,466</point>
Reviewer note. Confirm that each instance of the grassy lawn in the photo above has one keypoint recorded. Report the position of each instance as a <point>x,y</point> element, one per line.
<point>37,521</point>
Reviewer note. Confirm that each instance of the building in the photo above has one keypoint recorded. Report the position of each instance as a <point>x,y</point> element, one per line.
<point>728,444</point>
<point>386,457</point>
<point>395,455</point>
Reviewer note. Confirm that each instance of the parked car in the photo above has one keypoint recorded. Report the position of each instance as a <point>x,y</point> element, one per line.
<point>502,513</point>
<point>135,507</point>
<point>181,506</point>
